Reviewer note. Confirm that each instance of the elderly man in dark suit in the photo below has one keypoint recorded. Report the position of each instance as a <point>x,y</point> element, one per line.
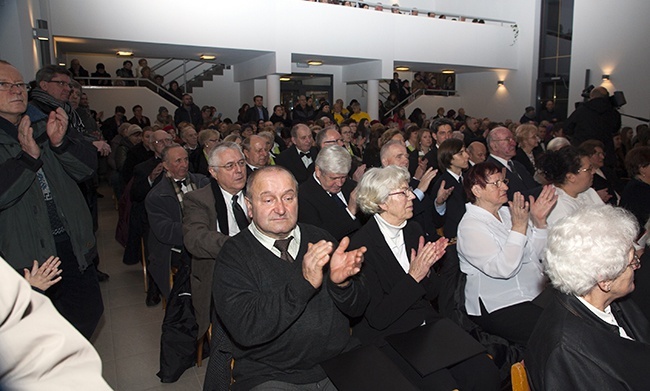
<point>503,147</point>
<point>256,153</point>
<point>327,199</point>
<point>299,159</point>
<point>165,213</point>
<point>211,215</point>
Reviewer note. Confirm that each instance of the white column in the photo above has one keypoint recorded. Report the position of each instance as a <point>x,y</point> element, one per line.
<point>373,99</point>
<point>272,92</point>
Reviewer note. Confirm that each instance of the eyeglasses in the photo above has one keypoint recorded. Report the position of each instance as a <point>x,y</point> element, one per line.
<point>635,264</point>
<point>61,83</point>
<point>404,192</point>
<point>508,139</point>
<point>230,166</point>
<point>499,182</point>
<point>166,141</point>
<point>6,86</point>
<point>337,141</point>
<point>588,169</point>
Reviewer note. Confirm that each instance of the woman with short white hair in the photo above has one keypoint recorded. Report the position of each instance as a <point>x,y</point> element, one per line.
<point>587,338</point>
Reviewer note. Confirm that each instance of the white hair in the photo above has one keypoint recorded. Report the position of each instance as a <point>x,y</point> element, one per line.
<point>557,143</point>
<point>376,184</point>
<point>583,249</point>
<point>213,159</point>
<point>334,159</point>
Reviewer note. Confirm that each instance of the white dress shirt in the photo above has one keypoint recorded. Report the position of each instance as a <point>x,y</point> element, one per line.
<point>268,242</point>
<point>566,204</point>
<point>503,266</point>
<point>394,236</point>
<point>233,228</point>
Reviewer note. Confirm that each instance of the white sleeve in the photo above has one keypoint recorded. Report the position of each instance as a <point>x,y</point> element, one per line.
<point>39,349</point>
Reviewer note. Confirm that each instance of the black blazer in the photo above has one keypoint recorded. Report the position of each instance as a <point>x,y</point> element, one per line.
<point>198,162</point>
<point>571,348</point>
<point>290,160</point>
<point>607,183</point>
<point>316,207</point>
<point>431,156</point>
<point>521,181</point>
<point>522,158</point>
<point>455,203</point>
<point>397,303</point>
<point>424,214</point>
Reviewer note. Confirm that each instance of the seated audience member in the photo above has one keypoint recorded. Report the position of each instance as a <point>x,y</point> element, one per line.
<point>327,200</point>
<point>211,215</point>
<point>189,137</point>
<point>163,118</point>
<point>208,139</point>
<point>138,118</point>
<point>604,177</point>
<point>526,152</point>
<point>133,137</point>
<point>396,270</point>
<point>502,146</point>
<point>256,153</point>
<point>557,143</point>
<point>101,72</point>
<point>175,90</point>
<point>529,116</point>
<point>283,291</point>
<point>447,192</point>
<point>571,173</point>
<point>357,114</point>
<point>271,146</point>
<point>79,73</point>
<point>111,124</point>
<point>302,112</point>
<point>126,72</point>
<point>477,152</point>
<point>499,248</point>
<point>587,338</point>
<point>165,215</point>
<point>637,191</point>
<point>65,359</point>
<point>299,158</point>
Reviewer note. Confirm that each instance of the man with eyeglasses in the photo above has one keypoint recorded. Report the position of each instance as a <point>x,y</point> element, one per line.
<point>328,199</point>
<point>211,215</point>
<point>41,161</point>
<point>503,147</point>
<point>256,153</point>
<point>146,175</point>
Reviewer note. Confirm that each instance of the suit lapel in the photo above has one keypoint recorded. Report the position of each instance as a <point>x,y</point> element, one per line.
<point>220,207</point>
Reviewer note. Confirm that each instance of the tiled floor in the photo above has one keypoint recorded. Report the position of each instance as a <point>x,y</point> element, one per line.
<point>128,336</point>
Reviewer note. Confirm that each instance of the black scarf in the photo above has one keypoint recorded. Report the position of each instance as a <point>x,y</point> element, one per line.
<point>47,104</point>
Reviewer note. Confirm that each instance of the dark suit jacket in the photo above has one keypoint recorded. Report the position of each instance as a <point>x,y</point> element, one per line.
<point>141,187</point>
<point>166,228</point>
<point>397,303</point>
<point>201,210</point>
<point>455,203</point>
<point>290,160</point>
<point>608,183</point>
<point>431,156</point>
<point>424,214</point>
<point>522,158</point>
<point>521,181</point>
<point>316,207</point>
<point>252,115</point>
<point>571,348</point>
<point>198,162</point>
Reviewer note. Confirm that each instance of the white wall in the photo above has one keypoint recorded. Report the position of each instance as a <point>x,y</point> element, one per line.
<point>106,98</point>
<point>617,45</point>
<point>17,45</point>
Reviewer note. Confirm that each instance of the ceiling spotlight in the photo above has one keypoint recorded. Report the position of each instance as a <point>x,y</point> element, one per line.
<point>124,53</point>
<point>500,82</point>
<point>314,63</point>
<point>207,57</point>
<point>606,77</point>
<point>448,71</point>
<point>402,68</point>
<point>285,78</point>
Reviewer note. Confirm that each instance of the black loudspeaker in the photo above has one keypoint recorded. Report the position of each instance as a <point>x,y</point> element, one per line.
<point>618,99</point>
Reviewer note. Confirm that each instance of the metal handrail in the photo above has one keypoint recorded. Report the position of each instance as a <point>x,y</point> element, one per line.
<point>139,82</point>
<point>416,94</point>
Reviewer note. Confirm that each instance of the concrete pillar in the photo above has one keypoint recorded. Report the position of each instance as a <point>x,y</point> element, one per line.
<point>272,92</point>
<point>373,99</point>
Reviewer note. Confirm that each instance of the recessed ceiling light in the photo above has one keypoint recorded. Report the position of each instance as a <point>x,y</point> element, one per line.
<point>124,53</point>
<point>315,63</point>
<point>208,57</point>
<point>285,78</point>
<point>402,68</point>
<point>448,71</point>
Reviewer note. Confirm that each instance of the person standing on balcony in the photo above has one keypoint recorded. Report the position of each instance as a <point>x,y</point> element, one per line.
<point>126,72</point>
<point>404,91</point>
<point>188,112</point>
<point>418,83</point>
<point>395,84</point>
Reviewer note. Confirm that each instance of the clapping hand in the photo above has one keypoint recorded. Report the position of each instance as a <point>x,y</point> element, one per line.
<point>426,256</point>
<point>44,276</point>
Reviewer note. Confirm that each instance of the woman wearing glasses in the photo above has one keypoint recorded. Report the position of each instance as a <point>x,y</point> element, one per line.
<point>500,249</point>
<point>587,338</point>
<point>396,270</point>
<point>570,171</point>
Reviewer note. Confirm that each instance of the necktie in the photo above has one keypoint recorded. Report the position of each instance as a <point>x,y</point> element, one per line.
<point>511,164</point>
<point>338,200</point>
<point>283,246</point>
<point>307,154</point>
<point>181,182</point>
<point>240,216</point>
<point>460,179</point>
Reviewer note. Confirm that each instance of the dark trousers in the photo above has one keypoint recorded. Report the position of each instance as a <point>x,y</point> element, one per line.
<point>514,323</point>
<point>77,296</point>
<point>477,373</point>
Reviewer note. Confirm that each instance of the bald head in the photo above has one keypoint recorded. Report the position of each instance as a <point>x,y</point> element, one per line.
<point>502,143</point>
<point>477,152</point>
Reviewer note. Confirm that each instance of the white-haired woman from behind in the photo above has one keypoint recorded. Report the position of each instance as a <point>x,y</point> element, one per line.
<point>587,338</point>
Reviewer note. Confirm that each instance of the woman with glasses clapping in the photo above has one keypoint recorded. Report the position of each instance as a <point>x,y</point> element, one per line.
<point>499,249</point>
